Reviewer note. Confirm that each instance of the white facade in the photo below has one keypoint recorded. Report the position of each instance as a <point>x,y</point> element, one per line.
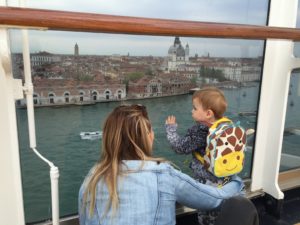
<point>177,55</point>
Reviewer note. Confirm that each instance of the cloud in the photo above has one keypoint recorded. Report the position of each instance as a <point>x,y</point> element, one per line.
<point>59,42</point>
<point>229,11</point>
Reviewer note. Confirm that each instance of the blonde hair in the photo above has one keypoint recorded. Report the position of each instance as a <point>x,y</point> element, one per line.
<point>125,137</point>
<point>212,98</point>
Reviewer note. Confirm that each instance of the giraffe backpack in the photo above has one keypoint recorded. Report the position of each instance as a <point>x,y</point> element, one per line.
<point>225,149</point>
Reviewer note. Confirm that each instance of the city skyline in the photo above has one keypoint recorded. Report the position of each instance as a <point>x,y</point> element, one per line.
<point>107,44</point>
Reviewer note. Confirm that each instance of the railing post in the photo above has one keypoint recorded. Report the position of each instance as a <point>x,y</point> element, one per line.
<point>11,195</point>
<point>273,102</point>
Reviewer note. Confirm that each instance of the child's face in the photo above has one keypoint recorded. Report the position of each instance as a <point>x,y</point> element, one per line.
<point>199,114</point>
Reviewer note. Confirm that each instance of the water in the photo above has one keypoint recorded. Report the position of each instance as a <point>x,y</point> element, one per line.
<point>58,140</point>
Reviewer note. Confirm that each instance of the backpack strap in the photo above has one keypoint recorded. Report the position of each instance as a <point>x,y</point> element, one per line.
<point>218,124</point>
<point>219,121</point>
<point>199,157</point>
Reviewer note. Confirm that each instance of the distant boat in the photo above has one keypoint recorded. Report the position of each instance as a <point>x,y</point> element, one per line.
<point>85,103</point>
<point>247,113</point>
<point>291,131</point>
<point>193,90</point>
<point>244,94</point>
<point>91,135</point>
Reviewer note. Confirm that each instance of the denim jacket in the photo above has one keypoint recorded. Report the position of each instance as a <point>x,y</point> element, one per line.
<point>148,192</point>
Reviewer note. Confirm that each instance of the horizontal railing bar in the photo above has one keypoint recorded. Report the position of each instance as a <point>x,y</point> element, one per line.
<point>91,22</point>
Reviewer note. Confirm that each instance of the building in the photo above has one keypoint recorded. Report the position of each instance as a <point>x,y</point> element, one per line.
<point>76,50</point>
<point>177,55</point>
<point>49,92</point>
<point>42,58</point>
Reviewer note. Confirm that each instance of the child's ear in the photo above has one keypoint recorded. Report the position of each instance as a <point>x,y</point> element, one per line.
<point>210,113</point>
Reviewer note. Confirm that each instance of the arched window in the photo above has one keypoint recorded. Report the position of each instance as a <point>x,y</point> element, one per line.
<point>119,94</point>
<point>81,96</point>
<point>107,94</point>
<point>94,95</point>
<point>67,96</point>
<point>35,99</point>
<point>51,98</point>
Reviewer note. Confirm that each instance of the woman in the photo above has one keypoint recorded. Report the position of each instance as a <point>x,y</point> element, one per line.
<point>129,186</point>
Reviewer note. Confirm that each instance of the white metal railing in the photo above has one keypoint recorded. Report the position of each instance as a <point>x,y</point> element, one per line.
<point>28,89</point>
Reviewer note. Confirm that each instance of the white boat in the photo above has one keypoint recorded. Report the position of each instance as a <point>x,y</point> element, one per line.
<point>90,135</point>
<point>248,113</point>
<point>292,131</point>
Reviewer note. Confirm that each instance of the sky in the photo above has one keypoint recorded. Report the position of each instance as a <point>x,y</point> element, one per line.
<point>252,12</point>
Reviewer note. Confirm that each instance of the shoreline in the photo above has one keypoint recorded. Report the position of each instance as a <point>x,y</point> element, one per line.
<point>96,102</point>
<point>89,103</point>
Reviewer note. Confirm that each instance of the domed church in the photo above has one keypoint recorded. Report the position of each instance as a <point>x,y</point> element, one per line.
<point>177,55</point>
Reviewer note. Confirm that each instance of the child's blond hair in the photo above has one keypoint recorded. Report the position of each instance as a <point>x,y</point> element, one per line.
<point>212,98</point>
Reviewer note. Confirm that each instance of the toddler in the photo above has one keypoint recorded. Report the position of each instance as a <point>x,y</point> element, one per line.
<point>209,105</point>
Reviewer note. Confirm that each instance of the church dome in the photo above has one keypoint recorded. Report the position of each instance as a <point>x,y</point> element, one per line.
<point>177,48</point>
<point>172,50</point>
<point>180,51</point>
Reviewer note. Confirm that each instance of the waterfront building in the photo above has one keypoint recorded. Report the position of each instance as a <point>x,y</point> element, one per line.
<point>233,69</point>
<point>175,84</point>
<point>42,58</point>
<point>251,69</point>
<point>240,70</point>
<point>53,92</point>
<point>165,84</point>
<point>145,87</point>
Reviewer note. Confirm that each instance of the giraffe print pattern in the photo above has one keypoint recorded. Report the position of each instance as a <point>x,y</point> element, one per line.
<point>225,150</point>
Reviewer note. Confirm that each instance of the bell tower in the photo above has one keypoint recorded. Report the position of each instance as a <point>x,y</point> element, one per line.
<point>76,50</point>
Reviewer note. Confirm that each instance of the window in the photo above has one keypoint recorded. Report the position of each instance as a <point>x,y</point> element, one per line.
<point>107,94</point>
<point>67,97</point>
<point>35,99</point>
<point>95,94</point>
<point>290,157</point>
<point>81,96</point>
<point>58,128</point>
<point>119,94</point>
<point>118,67</point>
<point>51,98</point>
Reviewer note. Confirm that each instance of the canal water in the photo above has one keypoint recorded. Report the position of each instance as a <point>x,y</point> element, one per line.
<point>58,140</point>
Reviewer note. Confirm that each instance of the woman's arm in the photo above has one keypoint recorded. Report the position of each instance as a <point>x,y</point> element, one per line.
<point>193,194</point>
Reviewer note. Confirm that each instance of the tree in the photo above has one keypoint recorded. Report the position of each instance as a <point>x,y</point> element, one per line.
<point>132,77</point>
<point>212,73</point>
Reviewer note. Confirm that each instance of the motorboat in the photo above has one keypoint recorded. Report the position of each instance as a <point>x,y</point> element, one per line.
<point>90,135</point>
<point>292,131</point>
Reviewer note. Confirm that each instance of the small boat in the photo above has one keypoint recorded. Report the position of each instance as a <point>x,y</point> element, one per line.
<point>247,113</point>
<point>291,131</point>
<point>193,90</point>
<point>91,135</point>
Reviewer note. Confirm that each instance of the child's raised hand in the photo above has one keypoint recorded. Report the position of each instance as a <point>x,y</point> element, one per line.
<point>171,120</point>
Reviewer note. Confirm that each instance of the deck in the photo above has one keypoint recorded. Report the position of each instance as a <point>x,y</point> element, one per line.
<point>289,213</point>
